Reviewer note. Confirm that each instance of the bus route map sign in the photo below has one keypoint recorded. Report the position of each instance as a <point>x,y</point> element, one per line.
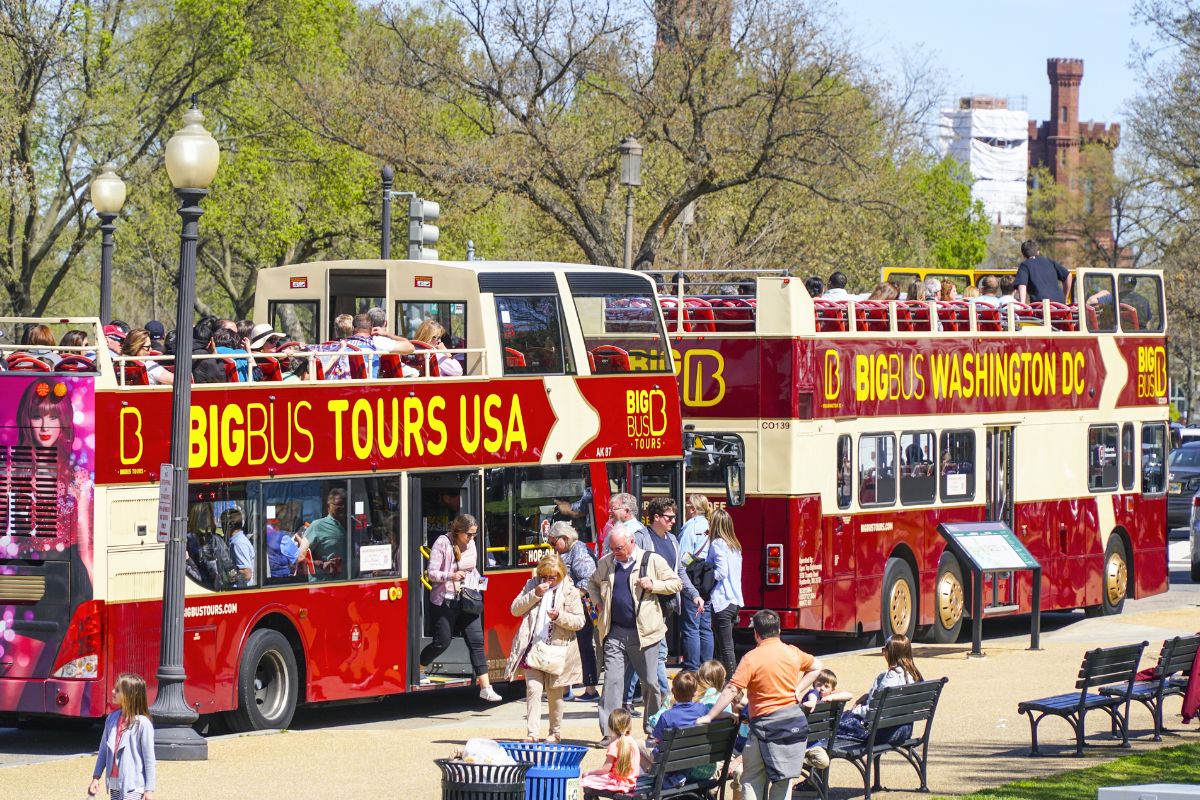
<point>990,545</point>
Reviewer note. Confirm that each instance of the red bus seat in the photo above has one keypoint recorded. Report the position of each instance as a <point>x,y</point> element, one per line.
<point>231,373</point>
<point>135,373</point>
<point>389,365</point>
<point>1129,318</point>
<point>699,312</point>
<point>1064,317</point>
<point>513,358</point>
<point>988,317</point>
<point>670,310</point>
<point>1027,314</point>
<point>1092,320</point>
<point>358,363</point>
<point>953,315</point>
<point>424,361</point>
<point>23,362</point>
<point>75,364</point>
<point>831,315</point>
<point>732,313</point>
<point>628,313</point>
<point>917,312</point>
<point>608,358</point>
<point>871,315</point>
<point>269,367</point>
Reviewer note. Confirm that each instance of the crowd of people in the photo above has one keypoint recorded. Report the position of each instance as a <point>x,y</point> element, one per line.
<point>364,337</point>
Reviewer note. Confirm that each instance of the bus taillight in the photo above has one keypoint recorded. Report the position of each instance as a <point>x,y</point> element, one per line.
<point>774,565</point>
<point>79,657</point>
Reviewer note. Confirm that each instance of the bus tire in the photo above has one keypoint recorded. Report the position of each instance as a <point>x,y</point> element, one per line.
<point>898,605</point>
<point>267,683</point>
<point>1114,579</point>
<point>949,601</point>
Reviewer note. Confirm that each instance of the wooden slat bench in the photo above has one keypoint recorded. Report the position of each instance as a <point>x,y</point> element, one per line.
<point>1100,666</point>
<point>683,749</point>
<point>1175,657</point>
<point>894,706</point>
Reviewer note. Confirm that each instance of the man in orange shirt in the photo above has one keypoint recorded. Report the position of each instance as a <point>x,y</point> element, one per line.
<point>775,677</point>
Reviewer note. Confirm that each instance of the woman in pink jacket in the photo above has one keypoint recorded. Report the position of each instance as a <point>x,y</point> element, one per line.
<point>453,567</point>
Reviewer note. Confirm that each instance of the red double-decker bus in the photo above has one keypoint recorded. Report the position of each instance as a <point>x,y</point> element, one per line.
<point>547,420</point>
<point>864,425</point>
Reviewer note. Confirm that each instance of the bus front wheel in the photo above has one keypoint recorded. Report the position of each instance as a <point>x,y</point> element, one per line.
<point>948,601</point>
<point>267,683</point>
<point>898,611</point>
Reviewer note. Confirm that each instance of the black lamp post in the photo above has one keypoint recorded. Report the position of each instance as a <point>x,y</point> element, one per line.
<point>192,160</point>
<point>107,191</point>
<point>388,178</point>
<point>631,176</point>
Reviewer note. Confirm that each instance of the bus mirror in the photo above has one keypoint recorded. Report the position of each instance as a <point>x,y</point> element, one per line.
<point>735,483</point>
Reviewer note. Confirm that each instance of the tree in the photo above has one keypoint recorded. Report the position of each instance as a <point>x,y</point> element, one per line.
<point>530,101</point>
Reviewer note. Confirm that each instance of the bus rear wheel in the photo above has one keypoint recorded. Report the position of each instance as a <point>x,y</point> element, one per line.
<point>898,611</point>
<point>1115,580</point>
<point>267,683</point>
<point>948,601</point>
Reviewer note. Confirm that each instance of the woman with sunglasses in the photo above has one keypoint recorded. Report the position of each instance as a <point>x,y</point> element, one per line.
<point>137,345</point>
<point>453,567</point>
<point>725,553</point>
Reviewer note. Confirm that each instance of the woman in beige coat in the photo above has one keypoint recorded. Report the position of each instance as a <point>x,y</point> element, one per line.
<point>553,611</point>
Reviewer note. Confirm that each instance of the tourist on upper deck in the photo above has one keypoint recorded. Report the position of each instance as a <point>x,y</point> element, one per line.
<point>431,333</point>
<point>971,293</point>
<point>1006,290</point>
<point>916,291</point>
<point>264,339</point>
<point>137,345</point>
<point>386,341</point>
<point>227,343</point>
<point>836,287</point>
<point>947,292</point>
<point>113,336</point>
<point>38,337</point>
<point>883,292</point>
<point>933,288</point>
<point>814,285</point>
<point>76,339</point>
<point>158,333</point>
<point>989,291</point>
<point>205,370</point>
<point>1038,277</point>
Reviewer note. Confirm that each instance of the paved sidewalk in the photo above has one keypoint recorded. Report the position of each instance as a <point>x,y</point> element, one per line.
<point>978,741</point>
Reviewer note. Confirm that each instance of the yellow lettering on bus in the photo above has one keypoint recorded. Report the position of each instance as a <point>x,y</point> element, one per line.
<point>387,421</point>
<point>127,434</point>
<point>516,426</point>
<point>469,441</point>
<point>492,443</point>
<point>694,376</point>
<point>305,432</point>
<point>197,437</point>
<point>233,443</point>
<point>414,420</point>
<point>256,434</point>
<point>437,445</point>
<point>338,407</point>
<point>361,424</point>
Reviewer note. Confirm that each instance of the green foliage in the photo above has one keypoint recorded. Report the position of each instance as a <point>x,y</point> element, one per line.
<point>1168,765</point>
<point>953,227</point>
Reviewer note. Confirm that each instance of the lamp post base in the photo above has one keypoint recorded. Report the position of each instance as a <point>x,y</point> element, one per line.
<point>179,743</point>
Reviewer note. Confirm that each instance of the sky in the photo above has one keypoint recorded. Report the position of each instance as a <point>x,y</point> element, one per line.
<point>1000,48</point>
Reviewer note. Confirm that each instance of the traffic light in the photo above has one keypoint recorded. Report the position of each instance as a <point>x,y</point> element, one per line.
<point>420,233</point>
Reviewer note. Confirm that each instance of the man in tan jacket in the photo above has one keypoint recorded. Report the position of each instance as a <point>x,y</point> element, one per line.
<point>629,619</point>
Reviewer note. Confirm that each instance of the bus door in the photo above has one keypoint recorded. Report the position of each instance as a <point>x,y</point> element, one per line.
<point>434,500</point>
<point>999,589</point>
<point>658,480</point>
<point>838,529</point>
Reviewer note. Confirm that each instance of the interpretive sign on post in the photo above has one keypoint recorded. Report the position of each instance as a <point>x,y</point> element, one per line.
<point>990,547</point>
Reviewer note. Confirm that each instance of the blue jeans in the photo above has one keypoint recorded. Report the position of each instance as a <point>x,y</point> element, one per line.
<point>695,631</point>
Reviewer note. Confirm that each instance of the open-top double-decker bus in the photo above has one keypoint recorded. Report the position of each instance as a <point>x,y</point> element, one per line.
<point>548,419</point>
<point>864,425</point>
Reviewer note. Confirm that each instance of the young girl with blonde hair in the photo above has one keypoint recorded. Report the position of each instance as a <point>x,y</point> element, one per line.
<point>621,761</point>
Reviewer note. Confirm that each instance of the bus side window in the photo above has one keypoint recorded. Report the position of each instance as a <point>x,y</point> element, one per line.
<point>1127,456</point>
<point>845,479</point>
<point>877,470</point>
<point>1102,458</point>
<point>375,527</point>
<point>304,535</point>
<point>1154,458</point>
<point>918,454</point>
<point>956,465</point>
<point>531,333</point>
<point>222,533</point>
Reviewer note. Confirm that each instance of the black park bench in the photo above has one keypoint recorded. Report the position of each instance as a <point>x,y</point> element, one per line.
<point>822,725</point>
<point>1101,666</point>
<point>892,707</point>
<point>683,749</point>
<point>1176,656</point>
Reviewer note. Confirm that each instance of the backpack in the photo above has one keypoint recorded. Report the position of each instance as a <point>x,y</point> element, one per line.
<point>668,602</point>
<point>703,575</point>
<point>219,561</point>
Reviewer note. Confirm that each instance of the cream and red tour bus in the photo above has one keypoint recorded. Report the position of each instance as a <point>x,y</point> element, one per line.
<point>548,419</point>
<point>865,425</point>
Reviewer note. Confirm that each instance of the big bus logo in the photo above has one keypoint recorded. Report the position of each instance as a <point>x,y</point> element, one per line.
<point>646,417</point>
<point>1152,372</point>
<point>833,376</point>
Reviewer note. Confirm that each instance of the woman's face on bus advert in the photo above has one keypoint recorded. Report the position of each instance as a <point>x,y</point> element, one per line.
<point>47,427</point>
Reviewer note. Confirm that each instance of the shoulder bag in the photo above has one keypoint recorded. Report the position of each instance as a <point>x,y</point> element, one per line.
<point>545,656</point>
<point>470,601</point>
<point>702,573</point>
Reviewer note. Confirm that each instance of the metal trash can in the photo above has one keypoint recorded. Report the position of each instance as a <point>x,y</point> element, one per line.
<point>465,780</point>
<point>553,769</point>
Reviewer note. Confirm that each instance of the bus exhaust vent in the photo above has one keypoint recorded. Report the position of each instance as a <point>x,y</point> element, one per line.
<point>22,588</point>
<point>29,491</point>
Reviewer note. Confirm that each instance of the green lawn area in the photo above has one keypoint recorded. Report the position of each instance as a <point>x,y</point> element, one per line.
<point>1168,765</point>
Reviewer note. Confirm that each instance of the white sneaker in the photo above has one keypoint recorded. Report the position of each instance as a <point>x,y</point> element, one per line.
<point>489,694</point>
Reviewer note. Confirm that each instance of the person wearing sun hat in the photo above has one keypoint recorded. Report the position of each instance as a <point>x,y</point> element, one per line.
<point>263,338</point>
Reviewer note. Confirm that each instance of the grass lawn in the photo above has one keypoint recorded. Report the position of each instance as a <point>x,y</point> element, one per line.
<point>1168,765</point>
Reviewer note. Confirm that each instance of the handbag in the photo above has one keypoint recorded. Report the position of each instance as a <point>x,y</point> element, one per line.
<point>546,657</point>
<point>470,601</point>
<point>703,575</point>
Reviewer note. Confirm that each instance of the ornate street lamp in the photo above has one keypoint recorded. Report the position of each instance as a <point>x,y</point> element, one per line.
<point>388,178</point>
<point>192,160</point>
<point>631,176</point>
<point>107,192</point>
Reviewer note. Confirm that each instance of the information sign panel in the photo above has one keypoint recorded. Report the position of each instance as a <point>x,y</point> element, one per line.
<point>991,545</point>
<point>166,480</point>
